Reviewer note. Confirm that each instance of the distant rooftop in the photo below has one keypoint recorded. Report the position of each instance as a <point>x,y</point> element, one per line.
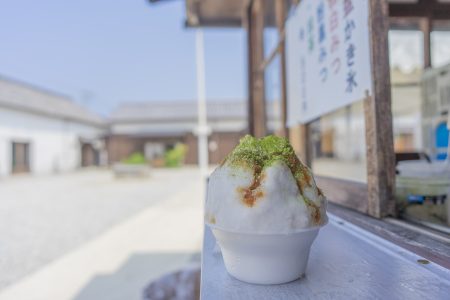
<point>176,111</point>
<point>25,97</point>
<point>180,111</point>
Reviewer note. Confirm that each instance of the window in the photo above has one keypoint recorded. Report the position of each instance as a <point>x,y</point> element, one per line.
<point>338,144</point>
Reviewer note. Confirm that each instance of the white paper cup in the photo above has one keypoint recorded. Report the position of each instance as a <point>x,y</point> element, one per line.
<point>265,258</point>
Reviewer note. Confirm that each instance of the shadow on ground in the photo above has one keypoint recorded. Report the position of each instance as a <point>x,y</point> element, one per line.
<point>130,280</point>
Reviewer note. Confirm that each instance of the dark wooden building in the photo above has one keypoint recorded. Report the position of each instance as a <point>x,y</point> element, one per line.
<point>152,128</point>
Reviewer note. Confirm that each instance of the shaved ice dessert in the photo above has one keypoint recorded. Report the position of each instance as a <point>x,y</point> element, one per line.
<point>262,187</point>
<point>265,210</point>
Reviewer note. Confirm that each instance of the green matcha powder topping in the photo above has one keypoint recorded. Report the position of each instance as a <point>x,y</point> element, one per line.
<point>260,153</point>
<point>257,154</point>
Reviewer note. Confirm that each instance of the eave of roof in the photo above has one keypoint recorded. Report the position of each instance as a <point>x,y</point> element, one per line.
<point>221,13</point>
<point>230,13</point>
<point>25,97</point>
<point>180,111</point>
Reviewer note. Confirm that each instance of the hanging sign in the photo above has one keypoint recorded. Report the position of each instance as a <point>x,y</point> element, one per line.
<point>328,57</point>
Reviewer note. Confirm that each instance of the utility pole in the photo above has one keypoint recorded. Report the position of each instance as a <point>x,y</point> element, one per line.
<point>202,129</point>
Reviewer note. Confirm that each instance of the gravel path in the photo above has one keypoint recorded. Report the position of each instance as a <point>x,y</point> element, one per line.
<point>41,218</point>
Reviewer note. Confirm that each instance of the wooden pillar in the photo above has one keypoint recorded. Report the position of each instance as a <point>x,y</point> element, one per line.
<point>257,125</point>
<point>306,146</point>
<point>248,27</point>
<point>378,118</point>
<point>280,11</point>
<point>299,136</point>
<point>426,27</point>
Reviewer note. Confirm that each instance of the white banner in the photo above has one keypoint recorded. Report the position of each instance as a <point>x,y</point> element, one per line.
<point>328,57</point>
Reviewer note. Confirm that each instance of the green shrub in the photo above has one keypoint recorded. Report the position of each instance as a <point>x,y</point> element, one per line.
<point>135,158</point>
<point>175,157</point>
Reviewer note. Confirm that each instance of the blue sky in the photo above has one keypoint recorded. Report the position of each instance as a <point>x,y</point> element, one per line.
<point>103,52</point>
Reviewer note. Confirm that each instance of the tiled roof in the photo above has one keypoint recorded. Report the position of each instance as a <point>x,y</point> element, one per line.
<point>179,110</point>
<point>24,97</point>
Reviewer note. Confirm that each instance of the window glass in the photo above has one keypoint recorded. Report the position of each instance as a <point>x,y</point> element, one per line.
<point>440,48</point>
<point>338,144</point>
<point>406,50</point>
<point>406,61</point>
<point>420,104</point>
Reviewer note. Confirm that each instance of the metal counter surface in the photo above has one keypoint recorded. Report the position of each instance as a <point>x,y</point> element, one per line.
<point>346,262</point>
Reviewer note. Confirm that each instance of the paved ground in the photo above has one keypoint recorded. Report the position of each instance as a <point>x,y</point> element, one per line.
<point>77,236</point>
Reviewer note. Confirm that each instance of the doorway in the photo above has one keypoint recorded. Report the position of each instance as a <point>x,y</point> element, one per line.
<point>89,155</point>
<point>20,158</point>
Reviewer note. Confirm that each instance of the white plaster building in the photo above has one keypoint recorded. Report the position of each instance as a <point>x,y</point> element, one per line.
<point>44,132</point>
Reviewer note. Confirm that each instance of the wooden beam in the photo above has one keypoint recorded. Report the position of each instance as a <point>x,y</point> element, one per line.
<point>294,139</point>
<point>424,8</point>
<point>299,136</point>
<point>280,15</point>
<point>401,23</point>
<point>306,145</point>
<point>258,124</point>
<point>426,27</point>
<point>378,118</point>
<point>214,23</point>
<point>441,25</point>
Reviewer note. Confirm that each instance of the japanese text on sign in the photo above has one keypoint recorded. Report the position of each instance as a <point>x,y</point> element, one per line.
<point>328,57</point>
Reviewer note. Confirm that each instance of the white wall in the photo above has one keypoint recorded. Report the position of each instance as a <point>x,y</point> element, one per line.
<point>54,143</point>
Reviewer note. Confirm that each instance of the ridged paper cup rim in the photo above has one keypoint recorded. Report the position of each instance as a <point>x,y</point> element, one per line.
<point>213,226</point>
